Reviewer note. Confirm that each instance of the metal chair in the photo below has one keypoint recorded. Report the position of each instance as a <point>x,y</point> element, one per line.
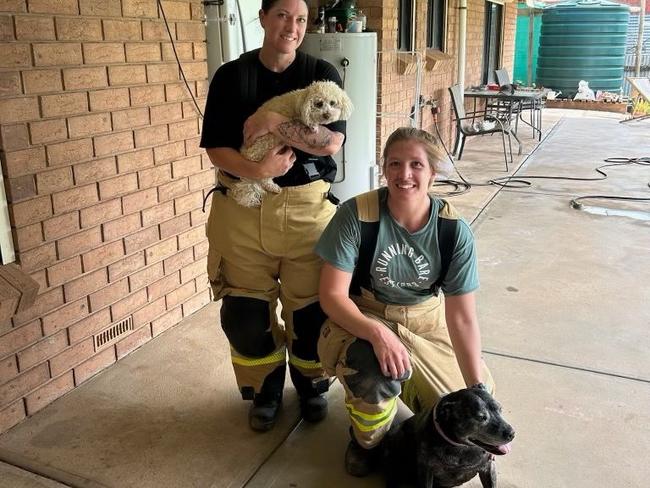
<point>535,106</point>
<point>464,130</point>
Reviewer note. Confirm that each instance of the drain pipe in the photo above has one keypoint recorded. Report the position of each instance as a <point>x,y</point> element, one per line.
<point>462,44</point>
<point>639,41</point>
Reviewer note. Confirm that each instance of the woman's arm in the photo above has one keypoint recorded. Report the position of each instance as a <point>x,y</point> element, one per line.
<point>276,162</point>
<point>462,323</point>
<point>321,142</point>
<point>334,288</point>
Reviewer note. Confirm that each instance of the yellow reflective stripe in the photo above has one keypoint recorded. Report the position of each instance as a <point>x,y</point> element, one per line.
<point>276,357</point>
<point>367,422</point>
<point>303,363</point>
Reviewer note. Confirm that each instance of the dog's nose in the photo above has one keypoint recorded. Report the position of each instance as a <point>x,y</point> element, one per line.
<point>508,433</point>
<point>326,115</point>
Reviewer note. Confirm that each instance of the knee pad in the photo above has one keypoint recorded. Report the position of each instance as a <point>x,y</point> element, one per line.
<point>368,382</point>
<point>306,328</point>
<point>246,322</point>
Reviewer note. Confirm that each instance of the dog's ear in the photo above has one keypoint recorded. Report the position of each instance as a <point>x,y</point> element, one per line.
<point>346,106</point>
<point>303,105</point>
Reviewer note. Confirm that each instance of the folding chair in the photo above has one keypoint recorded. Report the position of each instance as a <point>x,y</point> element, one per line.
<point>464,130</point>
<point>642,87</point>
<point>535,106</point>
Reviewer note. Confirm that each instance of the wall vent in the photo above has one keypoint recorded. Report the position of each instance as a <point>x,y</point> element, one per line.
<point>113,333</point>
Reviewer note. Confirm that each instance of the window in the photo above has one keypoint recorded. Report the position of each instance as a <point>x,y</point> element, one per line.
<point>405,26</point>
<point>492,39</point>
<point>436,15</point>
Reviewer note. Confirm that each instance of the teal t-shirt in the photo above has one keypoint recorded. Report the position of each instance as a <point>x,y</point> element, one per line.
<point>405,265</point>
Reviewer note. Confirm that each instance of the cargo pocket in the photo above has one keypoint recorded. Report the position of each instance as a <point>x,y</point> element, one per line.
<point>330,346</point>
<point>214,274</point>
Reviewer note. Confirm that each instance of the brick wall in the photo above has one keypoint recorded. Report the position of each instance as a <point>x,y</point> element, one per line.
<point>99,148</point>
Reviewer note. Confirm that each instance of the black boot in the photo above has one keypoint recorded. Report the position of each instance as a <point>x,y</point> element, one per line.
<point>359,461</point>
<point>314,408</point>
<point>264,412</point>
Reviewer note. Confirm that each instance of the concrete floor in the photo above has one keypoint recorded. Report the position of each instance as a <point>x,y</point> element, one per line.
<point>565,333</point>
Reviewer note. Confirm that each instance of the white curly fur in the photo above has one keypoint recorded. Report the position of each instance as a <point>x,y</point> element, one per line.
<point>322,102</point>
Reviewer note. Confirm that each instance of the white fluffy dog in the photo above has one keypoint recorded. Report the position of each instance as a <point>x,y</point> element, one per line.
<point>322,102</point>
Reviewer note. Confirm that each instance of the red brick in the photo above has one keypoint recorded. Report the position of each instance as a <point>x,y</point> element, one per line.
<point>31,211</point>
<point>179,260</point>
<point>14,137</point>
<point>201,249</point>
<point>53,7</point>
<point>40,277</point>
<point>147,95</point>
<point>166,321</point>
<point>69,152</point>
<point>55,180</point>
<point>61,226</point>
<point>186,167</point>
<point>103,52</point>
<point>113,143</point>
<point>57,54</point>
<point>103,256</point>
<point>135,160</point>
<point>85,285</point>
<point>149,312</point>
<point>168,152</point>
<point>101,8</point>
<point>72,356</point>
<point>139,8</point>
<point>192,148</point>
<point>108,100</point>
<point>184,50</point>
<point>193,270</point>
<point>64,316</point>
<point>180,294</point>
<point>151,136</point>
<point>78,29</point>
<point>42,350</point>
<point>195,71</point>
<point>121,227</point>
<point>128,305</point>
<point>168,112</point>
<point>88,125</point>
<point>128,119</point>
<point>48,131</point>
<point>145,277</point>
<point>163,286</point>
<point>122,30</point>
<point>176,10</point>
<point>125,266</point>
<point>12,415</point>
<point>133,341</point>
<point>174,226</point>
<point>85,78</point>
<point>130,74</point>
<point>10,83</point>
<point>18,110</point>
<point>15,55</point>
<point>20,188</point>
<point>79,243</point>
<point>118,186</point>
<point>74,199</point>
<point>64,271</point>
<point>29,236</point>
<point>27,161</point>
<point>189,202</point>
<point>191,237</point>
<point>140,200</point>
<point>173,189</point>
<point>191,112</point>
<point>189,31</point>
<point>8,369</point>
<point>49,392</point>
<point>205,179</point>
<point>100,213</point>
<point>140,240</point>
<point>108,295</point>
<point>176,92</point>
<point>155,30</point>
<point>200,51</point>
<point>89,326</point>
<point>64,104</point>
<point>38,258</point>
<point>183,130</point>
<point>142,52</point>
<point>23,384</point>
<point>161,250</point>
<point>94,365</point>
<point>197,302</point>
<point>46,301</point>
<point>162,73</point>
<point>154,176</point>
<point>20,338</point>
<point>94,170</point>
<point>7,28</point>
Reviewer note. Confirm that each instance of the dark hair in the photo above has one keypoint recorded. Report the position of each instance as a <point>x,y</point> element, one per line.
<point>267,4</point>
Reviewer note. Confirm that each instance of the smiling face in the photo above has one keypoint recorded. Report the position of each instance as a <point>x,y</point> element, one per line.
<point>407,170</point>
<point>284,25</point>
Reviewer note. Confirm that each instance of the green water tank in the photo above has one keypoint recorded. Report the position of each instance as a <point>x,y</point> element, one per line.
<point>583,40</point>
<point>520,70</point>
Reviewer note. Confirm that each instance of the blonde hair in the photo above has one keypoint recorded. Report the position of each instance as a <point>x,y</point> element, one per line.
<point>436,155</point>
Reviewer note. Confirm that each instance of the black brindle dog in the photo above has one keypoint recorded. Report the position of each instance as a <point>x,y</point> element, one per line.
<point>449,444</point>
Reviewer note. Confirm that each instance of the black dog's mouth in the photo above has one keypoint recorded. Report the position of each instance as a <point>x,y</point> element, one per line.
<point>497,450</point>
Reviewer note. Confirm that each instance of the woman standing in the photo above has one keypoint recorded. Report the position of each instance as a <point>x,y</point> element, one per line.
<point>387,254</point>
<point>260,255</point>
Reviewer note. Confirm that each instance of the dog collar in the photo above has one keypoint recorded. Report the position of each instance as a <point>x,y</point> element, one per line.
<point>441,432</point>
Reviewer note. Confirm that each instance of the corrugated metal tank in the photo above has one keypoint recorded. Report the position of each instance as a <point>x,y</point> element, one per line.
<point>583,40</point>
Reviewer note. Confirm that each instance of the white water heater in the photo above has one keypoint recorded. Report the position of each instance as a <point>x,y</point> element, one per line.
<point>232,28</point>
<point>354,55</point>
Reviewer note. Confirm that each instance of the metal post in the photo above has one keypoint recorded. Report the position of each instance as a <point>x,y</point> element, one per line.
<point>639,41</point>
<point>531,28</point>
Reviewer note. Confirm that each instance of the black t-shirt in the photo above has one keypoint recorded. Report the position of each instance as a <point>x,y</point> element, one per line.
<point>226,112</point>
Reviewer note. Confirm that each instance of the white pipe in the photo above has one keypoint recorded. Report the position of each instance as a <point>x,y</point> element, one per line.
<point>462,43</point>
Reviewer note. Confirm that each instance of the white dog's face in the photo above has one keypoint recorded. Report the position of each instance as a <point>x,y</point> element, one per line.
<point>324,103</point>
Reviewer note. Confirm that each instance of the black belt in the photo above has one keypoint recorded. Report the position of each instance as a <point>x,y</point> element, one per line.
<point>224,190</point>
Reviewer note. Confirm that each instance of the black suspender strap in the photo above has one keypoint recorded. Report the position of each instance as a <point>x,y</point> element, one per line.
<point>446,241</point>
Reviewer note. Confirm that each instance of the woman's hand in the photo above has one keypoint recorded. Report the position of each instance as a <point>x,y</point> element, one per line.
<point>393,357</point>
<point>260,124</point>
<point>277,162</point>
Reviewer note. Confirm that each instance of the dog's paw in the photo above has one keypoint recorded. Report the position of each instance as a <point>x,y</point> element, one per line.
<point>268,185</point>
<point>247,194</point>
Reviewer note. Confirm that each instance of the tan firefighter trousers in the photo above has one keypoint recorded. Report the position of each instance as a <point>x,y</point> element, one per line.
<point>435,371</point>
